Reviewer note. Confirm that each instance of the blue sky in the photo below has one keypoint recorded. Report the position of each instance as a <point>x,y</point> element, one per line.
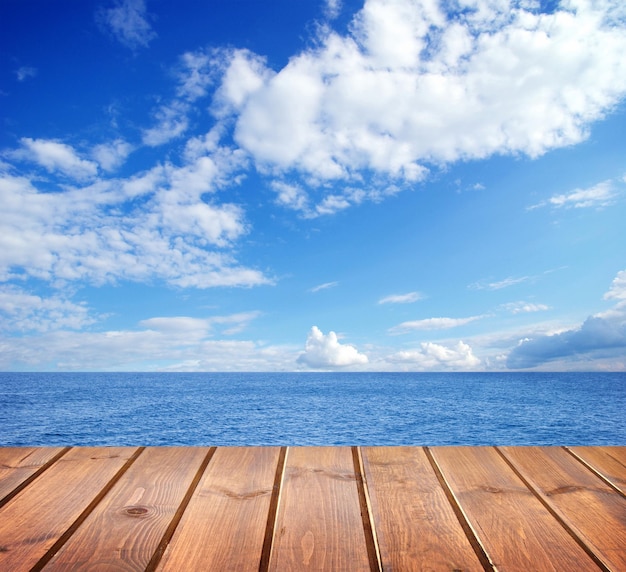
<point>395,185</point>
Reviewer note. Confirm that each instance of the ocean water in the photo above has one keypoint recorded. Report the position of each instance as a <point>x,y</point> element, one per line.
<point>312,409</point>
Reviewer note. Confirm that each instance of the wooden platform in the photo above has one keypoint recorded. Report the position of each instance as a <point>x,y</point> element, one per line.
<point>181,509</point>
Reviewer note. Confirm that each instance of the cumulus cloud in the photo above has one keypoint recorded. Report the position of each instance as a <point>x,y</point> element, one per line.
<point>599,336</point>
<point>596,337</point>
<point>432,324</point>
<point>55,157</point>
<point>128,21</point>
<point>416,84</point>
<point>156,224</point>
<point>408,298</point>
<point>112,155</point>
<point>432,356</point>
<point>325,351</point>
<point>142,349</point>
<point>25,312</point>
<point>601,195</point>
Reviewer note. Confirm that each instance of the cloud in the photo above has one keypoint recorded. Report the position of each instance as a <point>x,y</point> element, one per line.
<point>24,72</point>
<point>617,291</point>
<point>332,9</point>
<point>127,21</point>
<point>524,307</point>
<point>414,85</point>
<point>198,328</point>
<point>601,195</point>
<point>158,224</point>
<point>112,155</point>
<point>25,312</point>
<point>433,356</point>
<point>324,286</point>
<point>506,283</point>
<point>599,336</point>
<point>596,337</point>
<point>325,351</point>
<point>401,298</point>
<point>432,324</point>
<point>143,349</point>
<point>55,157</point>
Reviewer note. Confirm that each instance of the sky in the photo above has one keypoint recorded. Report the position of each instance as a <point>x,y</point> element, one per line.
<point>321,185</point>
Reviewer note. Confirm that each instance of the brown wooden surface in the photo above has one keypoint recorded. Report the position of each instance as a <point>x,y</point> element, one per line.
<point>516,530</point>
<point>135,514</point>
<point>18,464</point>
<point>319,524</point>
<point>594,512</point>
<point>441,509</point>
<point>39,515</point>
<point>416,526</point>
<point>608,462</point>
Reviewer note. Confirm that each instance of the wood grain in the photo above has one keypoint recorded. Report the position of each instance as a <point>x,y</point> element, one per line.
<point>38,516</point>
<point>516,530</point>
<point>319,524</point>
<point>416,526</point>
<point>19,464</point>
<point>224,525</point>
<point>609,462</point>
<point>591,508</point>
<point>136,513</point>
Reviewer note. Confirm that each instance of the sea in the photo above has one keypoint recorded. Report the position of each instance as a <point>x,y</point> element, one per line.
<point>236,409</point>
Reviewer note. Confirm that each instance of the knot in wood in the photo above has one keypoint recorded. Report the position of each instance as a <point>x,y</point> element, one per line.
<point>135,510</point>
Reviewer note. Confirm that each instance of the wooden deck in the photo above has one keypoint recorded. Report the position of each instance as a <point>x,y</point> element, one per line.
<point>181,509</point>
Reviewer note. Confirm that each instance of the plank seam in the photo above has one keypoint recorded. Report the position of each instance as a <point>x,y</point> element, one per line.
<point>369,528</point>
<point>464,521</point>
<point>554,512</point>
<point>596,472</point>
<point>272,515</point>
<point>19,488</point>
<point>169,531</point>
<point>85,513</point>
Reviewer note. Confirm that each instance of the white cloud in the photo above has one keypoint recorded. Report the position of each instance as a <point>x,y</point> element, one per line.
<point>522,307</point>
<point>402,298</point>
<point>112,155</point>
<point>127,20</point>
<point>325,351</point>
<point>413,84</point>
<point>144,349</point>
<point>156,224</point>
<point>432,324</point>
<point>25,312</point>
<point>617,291</point>
<point>172,122</point>
<point>599,337</point>
<point>433,356</point>
<point>24,72</point>
<point>505,283</point>
<point>55,157</point>
<point>333,8</point>
<point>324,286</point>
<point>601,195</point>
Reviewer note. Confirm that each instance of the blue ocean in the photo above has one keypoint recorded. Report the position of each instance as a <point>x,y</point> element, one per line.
<point>229,409</point>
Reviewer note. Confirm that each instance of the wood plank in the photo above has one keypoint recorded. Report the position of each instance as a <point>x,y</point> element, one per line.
<point>416,526</point>
<point>591,508</point>
<point>124,531</point>
<point>610,462</point>
<point>34,520</point>
<point>319,524</point>
<point>19,464</point>
<point>515,529</point>
<point>223,528</point>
